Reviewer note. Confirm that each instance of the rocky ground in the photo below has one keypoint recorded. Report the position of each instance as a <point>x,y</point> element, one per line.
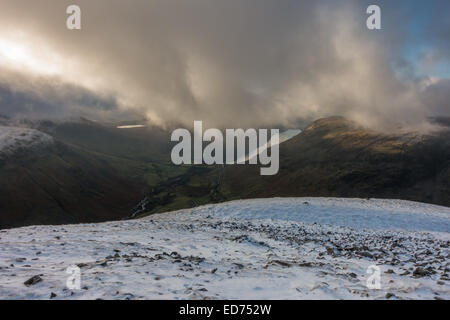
<point>255,249</point>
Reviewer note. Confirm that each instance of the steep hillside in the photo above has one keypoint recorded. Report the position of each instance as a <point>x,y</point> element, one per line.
<point>58,184</point>
<point>89,173</point>
<point>334,157</point>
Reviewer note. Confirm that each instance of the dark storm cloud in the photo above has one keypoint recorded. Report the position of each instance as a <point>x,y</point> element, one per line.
<point>47,98</point>
<point>238,62</point>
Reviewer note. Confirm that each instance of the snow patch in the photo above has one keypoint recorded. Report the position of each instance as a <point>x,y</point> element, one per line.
<point>353,213</point>
<point>15,138</point>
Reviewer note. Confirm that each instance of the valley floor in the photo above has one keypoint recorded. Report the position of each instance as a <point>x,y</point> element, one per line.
<point>294,248</point>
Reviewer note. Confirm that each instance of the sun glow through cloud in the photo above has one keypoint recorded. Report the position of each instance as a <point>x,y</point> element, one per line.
<point>27,54</point>
<point>19,54</point>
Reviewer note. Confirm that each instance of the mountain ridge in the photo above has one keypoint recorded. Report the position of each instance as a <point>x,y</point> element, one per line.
<point>94,172</point>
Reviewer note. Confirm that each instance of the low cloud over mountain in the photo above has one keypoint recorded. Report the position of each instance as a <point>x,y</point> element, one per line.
<point>229,63</point>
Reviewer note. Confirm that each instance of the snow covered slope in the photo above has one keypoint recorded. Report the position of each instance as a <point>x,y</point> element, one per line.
<point>15,138</point>
<point>314,248</point>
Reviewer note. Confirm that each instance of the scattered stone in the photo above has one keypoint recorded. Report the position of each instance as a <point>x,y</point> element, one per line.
<point>305,264</point>
<point>366,254</point>
<point>405,273</point>
<point>32,281</point>
<point>282,263</point>
<point>128,243</point>
<point>419,272</point>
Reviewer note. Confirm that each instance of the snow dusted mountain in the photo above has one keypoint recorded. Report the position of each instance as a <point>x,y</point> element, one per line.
<point>95,172</point>
<point>13,139</point>
<point>292,248</point>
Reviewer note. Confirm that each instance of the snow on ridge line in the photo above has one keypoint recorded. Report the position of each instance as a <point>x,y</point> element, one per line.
<point>353,213</point>
<point>14,138</point>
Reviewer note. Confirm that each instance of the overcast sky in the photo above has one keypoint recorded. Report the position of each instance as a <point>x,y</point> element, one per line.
<point>233,63</point>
